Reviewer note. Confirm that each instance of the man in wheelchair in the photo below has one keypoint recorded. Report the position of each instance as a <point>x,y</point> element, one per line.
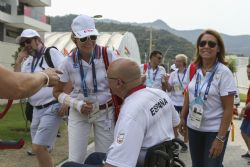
<point>144,130</point>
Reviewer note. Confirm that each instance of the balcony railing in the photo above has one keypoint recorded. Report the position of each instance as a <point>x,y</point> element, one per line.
<point>5,7</point>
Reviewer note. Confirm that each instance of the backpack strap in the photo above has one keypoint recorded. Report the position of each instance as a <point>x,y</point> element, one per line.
<point>47,57</point>
<point>145,67</point>
<point>117,101</point>
<point>192,71</point>
<point>105,57</point>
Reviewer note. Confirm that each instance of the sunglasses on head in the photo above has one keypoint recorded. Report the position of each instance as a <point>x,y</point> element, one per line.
<point>91,37</point>
<point>211,44</point>
<point>27,41</point>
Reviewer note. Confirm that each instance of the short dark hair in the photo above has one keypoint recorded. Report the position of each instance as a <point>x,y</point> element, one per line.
<point>248,66</point>
<point>153,53</point>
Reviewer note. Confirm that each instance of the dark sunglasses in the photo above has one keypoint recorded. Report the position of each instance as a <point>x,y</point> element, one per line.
<point>91,37</point>
<point>211,44</point>
<point>27,41</point>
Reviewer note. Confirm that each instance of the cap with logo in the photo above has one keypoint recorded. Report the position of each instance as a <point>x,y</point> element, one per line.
<point>27,33</point>
<point>83,26</point>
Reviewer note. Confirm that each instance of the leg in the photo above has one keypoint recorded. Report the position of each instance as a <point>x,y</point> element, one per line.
<point>196,146</point>
<point>78,132</point>
<point>104,131</point>
<point>245,132</point>
<point>46,134</point>
<point>216,162</point>
<point>75,164</point>
<point>43,156</point>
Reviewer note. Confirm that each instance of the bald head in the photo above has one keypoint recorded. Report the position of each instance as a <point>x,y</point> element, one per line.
<point>124,69</point>
<point>123,75</point>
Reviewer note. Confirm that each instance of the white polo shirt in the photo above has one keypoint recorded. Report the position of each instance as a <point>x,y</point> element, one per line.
<point>178,82</point>
<point>147,118</point>
<point>44,95</point>
<point>72,73</point>
<point>223,84</point>
<point>156,76</point>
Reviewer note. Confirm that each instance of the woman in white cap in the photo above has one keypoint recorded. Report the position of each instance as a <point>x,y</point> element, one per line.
<point>90,102</point>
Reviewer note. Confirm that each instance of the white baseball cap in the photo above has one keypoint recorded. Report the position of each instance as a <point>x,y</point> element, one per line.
<point>83,26</point>
<point>27,33</point>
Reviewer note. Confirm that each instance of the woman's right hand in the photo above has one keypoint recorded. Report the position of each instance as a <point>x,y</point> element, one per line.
<point>86,108</point>
<point>183,129</point>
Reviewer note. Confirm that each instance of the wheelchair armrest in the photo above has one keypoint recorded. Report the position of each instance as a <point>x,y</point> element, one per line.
<point>162,154</point>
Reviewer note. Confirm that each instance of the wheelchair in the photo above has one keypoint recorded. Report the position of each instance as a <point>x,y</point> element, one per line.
<point>160,155</point>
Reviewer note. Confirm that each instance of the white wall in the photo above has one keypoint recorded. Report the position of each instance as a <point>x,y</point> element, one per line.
<point>6,52</point>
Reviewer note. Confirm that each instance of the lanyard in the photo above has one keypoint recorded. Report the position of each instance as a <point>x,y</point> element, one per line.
<point>198,80</point>
<point>154,74</point>
<point>135,89</point>
<point>83,77</point>
<point>181,80</point>
<point>37,58</point>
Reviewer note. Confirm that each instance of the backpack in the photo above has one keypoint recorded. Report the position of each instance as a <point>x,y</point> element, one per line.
<point>47,56</point>
<point>117,101</point>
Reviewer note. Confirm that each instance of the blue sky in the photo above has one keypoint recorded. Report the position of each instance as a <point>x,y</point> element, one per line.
<point>226,16</point>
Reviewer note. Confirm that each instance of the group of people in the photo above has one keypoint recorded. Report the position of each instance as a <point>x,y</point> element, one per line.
<point>198,104</point>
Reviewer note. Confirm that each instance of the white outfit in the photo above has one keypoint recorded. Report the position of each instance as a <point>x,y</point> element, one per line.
<point>45,122</point>
<point>223,84</point>
<point>178,82</point>
<point>154,78</point>
<point>79,125</point>
<point>147,118</point>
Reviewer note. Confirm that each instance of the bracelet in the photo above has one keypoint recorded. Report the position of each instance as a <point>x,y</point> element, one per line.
<point>46,75</point>
<point>221,139</point>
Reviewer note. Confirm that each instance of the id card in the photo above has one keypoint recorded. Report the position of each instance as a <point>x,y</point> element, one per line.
<point>197,112</point>
<point>149,83</point>
<point>177,88</point>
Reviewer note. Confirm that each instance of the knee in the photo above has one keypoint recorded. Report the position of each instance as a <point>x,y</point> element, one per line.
<point>39,148</point>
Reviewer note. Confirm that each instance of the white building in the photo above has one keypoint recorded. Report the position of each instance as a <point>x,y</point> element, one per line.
<point>16,15</point>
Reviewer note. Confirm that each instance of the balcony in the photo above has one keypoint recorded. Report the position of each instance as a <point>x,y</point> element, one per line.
<point>36,3</point>
<point>33,13</point>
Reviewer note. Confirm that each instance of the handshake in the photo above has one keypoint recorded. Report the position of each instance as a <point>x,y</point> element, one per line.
<point>51,77</point>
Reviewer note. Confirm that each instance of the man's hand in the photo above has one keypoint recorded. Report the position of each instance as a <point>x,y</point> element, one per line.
<point>63,110</point>
<point>53,76</point>
<point>23,54</point>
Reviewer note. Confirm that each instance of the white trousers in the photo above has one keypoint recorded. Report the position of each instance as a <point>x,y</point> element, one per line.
<point>79,129</point>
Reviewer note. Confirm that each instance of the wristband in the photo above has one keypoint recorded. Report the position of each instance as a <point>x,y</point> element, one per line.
<point>46,75</point>
<point>64,98</point>
<point>221,139</point>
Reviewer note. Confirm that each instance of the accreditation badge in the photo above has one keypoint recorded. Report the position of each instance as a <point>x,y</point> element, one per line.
<point>177,88</point>
<point>149,83</point>
<point>197,112</point>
